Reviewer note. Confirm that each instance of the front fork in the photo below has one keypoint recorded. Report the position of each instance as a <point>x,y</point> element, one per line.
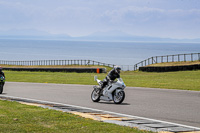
<point>98,89</point>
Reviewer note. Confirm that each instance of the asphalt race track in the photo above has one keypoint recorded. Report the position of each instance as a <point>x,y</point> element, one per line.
<point>182,107</point>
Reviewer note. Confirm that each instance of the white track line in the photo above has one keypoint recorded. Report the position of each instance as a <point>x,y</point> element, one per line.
<point>181,125</point>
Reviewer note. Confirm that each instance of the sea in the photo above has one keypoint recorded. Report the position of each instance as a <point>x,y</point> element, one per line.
<point>118,53</point>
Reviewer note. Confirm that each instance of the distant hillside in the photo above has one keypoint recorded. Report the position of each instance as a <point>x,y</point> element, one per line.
<point>120,36</point>
<point>30,34</point>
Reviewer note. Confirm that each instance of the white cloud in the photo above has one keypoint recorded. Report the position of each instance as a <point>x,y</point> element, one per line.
<point>144,13</point>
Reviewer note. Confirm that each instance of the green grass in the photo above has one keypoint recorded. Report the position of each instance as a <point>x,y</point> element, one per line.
<point>184,80</point>
<point>15,117</point>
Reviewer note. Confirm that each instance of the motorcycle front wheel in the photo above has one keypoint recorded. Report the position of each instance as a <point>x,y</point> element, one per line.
<point>1,88</point>
<point>95,96</point>
<point>118,97</point>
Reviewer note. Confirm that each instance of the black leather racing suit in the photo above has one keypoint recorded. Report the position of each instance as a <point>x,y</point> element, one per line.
<point>2,73</point>
<point>112,75</point>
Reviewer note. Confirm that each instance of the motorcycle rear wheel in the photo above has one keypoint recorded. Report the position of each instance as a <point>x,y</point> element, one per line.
<point>95,96</point>
<point>118,97</point>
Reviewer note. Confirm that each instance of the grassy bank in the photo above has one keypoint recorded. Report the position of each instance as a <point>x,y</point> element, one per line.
<point>182,63</point>
<point>15,117</point>
<point>184,80</point>
<point>57,66</point>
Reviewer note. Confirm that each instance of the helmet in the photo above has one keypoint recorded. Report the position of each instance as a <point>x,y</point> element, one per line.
<point>117,69</point>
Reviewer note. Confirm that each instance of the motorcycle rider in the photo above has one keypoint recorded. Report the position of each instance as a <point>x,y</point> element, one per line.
<point>112,75</point>
<point>1,73</point>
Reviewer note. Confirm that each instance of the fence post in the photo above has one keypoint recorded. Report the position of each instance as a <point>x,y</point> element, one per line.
<point>184,58</point>
<point>178,58</point>
<point>167,58</point>
<point>191,57</point>
<point>199,56</point>
<point>172,58</point>
<point>156,59</point>
<point>152,60</point>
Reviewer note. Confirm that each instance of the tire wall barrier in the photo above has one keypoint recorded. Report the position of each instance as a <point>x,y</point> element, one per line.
<point>170,68</point>
<point>78,70</point>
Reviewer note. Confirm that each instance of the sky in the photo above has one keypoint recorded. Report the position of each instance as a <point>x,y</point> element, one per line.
<point>178,19</point>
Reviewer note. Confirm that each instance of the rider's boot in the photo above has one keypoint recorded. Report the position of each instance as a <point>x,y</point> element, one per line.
<point>101,89</point>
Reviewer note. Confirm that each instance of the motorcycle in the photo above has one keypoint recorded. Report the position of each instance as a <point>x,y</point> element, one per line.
<point>2,82</point>
<point>114,91</point>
